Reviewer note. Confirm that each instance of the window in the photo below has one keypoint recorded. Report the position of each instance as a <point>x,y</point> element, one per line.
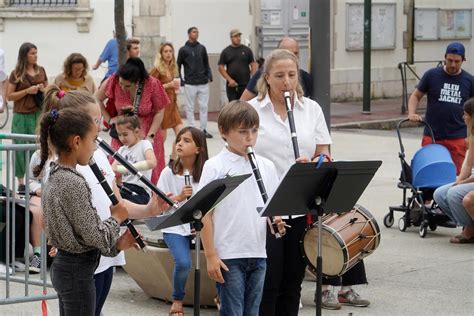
<point>38,3</point>
<point>78,10</point>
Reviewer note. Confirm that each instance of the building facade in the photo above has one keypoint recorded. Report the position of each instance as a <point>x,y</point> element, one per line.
<point>59,28</point>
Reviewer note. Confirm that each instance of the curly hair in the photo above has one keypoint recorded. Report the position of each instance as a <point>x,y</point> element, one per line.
<point>75,58</point>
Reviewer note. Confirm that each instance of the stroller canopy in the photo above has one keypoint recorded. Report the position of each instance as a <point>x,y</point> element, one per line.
<point>432,167</point>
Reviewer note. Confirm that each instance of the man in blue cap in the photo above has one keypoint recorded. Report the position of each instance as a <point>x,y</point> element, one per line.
<point>447,87</point>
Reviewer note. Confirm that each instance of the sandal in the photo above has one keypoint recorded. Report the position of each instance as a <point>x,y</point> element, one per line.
<point>461,239</point>
<point>174,312</point>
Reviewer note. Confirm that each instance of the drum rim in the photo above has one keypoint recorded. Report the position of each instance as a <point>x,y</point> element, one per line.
<point>378,232</point>
<point>344,250</point>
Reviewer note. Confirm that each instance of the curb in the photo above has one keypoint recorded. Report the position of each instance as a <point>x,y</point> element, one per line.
<point>388,124</point>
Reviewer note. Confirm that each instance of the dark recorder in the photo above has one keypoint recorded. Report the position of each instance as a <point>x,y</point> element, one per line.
<point>109,151</point>
<point>431,167</point>
<point>261,187</point>
<point>108,190</point>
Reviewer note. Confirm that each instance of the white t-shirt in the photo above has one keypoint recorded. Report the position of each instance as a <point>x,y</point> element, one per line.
<point>135,154</point>
<point>174,183</point>
<point>35,182</point>
<point>274,137</point>
<point>101,202</point>
<point>239,231</point>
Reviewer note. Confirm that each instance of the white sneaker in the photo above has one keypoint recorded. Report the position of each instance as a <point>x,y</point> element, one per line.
<point>19,266</point>
<point>3,269</point>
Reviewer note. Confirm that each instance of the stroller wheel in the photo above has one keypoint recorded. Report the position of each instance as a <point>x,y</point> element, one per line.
<point>388,220</point>
<point>402,224</point>
<point>432,226</point>
<point>423,230</point>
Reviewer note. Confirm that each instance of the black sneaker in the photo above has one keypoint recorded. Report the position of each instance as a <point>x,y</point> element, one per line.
<point>21,189</point>
<point>35,264</point>
<point>207,134</point>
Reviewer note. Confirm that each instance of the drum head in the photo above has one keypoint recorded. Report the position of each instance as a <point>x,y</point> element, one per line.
<point>333,250</point>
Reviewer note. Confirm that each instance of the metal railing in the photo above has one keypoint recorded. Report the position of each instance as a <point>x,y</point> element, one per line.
<point>403,66</point>
<point>12,201</point>
<point>42,3</point>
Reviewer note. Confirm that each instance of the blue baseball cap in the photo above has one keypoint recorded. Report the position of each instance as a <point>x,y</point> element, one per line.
<point>456,48</point>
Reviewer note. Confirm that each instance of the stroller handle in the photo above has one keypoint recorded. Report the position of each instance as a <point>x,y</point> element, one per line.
<point>399,125</point>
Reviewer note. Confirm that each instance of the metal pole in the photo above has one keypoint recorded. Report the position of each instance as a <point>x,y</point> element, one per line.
<point>411,32</point>
<point>320,33</point>
<point>367,47</point>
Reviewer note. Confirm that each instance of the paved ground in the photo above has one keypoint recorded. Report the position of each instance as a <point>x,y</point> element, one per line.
<point>407,275</point>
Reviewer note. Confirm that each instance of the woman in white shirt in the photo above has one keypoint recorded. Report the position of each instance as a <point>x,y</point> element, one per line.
<point>285,263</point>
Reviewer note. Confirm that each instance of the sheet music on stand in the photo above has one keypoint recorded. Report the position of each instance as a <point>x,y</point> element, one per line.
<point>204,200</point>
<point>303,182</point>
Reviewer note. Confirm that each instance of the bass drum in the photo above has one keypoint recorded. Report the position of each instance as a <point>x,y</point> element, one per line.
<point>347,238</point>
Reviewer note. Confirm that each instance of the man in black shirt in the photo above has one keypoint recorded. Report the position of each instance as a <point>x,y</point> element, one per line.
<point>236,65</point>
<point>197,75</point>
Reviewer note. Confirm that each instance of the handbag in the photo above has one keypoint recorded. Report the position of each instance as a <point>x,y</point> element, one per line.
<point>138,97</point>
<point>38,97</point>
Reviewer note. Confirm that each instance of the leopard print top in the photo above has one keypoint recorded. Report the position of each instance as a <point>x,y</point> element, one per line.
<point>72,223</point>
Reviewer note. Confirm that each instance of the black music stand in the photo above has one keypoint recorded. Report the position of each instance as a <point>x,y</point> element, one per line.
<point>193,210</point>
<point>335,187</point>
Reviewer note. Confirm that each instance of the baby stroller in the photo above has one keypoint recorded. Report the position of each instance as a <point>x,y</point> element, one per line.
<point>431,167</point>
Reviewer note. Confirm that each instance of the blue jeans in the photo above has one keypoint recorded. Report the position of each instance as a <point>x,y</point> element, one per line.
<point>72,276</point>
<point>179,247</point>
<point>103,281</point>
<point>242,290</point>
<point>450,198</point>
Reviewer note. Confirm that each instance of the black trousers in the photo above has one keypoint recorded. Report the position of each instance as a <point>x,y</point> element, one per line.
<point>356,275</point>
<point>234,93</point>
<point>72,276</point>
<point>285,271</point>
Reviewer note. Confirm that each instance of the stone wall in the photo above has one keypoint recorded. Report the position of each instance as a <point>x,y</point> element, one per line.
<point>146,27</point>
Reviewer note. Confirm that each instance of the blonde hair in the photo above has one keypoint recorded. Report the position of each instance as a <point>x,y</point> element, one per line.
<point>55,98</point>
<point>278,54</point>
<point>160,64</point>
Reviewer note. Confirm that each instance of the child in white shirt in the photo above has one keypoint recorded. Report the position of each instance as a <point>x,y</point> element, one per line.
<point>191,150</point>
<point>234,234</point>
<point>139,152</point>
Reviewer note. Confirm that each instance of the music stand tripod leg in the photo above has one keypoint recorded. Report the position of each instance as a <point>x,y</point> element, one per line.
<point>197,215</point>
<point>319,260</point>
